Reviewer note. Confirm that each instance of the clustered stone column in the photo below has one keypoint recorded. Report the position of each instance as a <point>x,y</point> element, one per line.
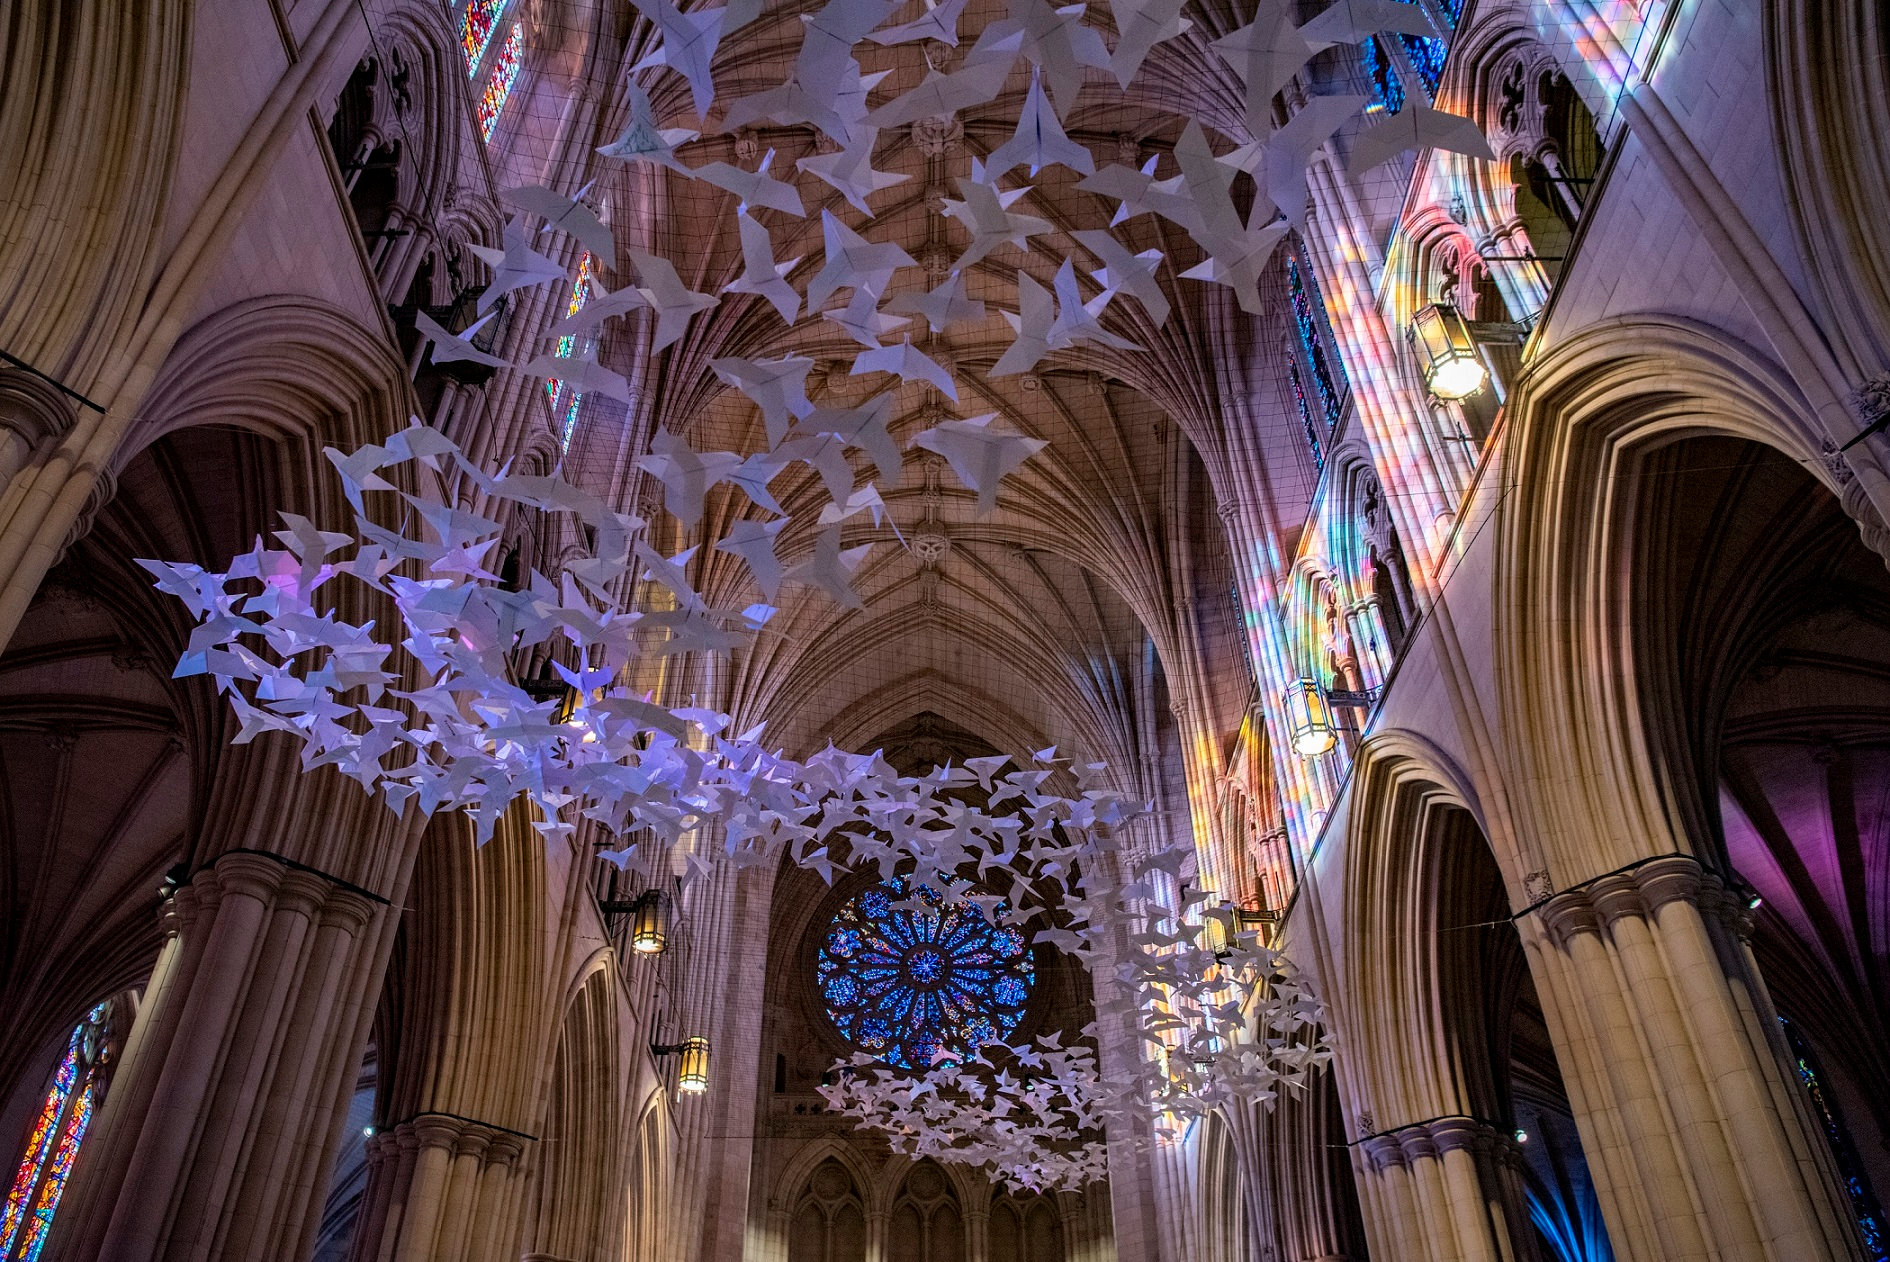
<point>222,1125</point>
<point>1698,1143</point>
<point>1448,1190</point>
<point>442,1187</point>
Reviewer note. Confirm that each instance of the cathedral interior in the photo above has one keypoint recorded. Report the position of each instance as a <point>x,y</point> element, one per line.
<point>945,630</point>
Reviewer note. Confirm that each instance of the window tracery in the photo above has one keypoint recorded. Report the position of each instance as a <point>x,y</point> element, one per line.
<point>913,979</point>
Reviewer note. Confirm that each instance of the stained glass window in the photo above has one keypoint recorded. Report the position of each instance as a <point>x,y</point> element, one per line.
<point>475,31</point>
<point>1427,58</point>
<point>560,397</point>
<point>499,83</point>
<point>53,1144</point>
<point>1387,88</point>
<point>913,978</point>
<point>1328,373</point>
<point>1306,418</point>
<point>1871,1224</point>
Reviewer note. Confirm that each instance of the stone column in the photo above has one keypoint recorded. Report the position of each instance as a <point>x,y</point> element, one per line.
<point>33,414</point>
<point>220,1134</point>
<point>1669,1048</point>
<point>441,1187</point>
<point>1447,1190</point>
<point>977,1236</point>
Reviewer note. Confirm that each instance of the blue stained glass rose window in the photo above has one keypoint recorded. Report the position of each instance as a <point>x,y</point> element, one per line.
<point>912,977</point>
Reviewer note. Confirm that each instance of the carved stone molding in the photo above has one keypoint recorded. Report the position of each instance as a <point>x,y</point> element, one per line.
<point>33,414</point>
<point>1640,891</point>
<point>936,137</point>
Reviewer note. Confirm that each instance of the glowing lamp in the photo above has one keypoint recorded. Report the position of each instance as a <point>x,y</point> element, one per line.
<point>649,924</point>
<point>1309,719</point>
<point>1452,367</point>
<point>693,1077</point>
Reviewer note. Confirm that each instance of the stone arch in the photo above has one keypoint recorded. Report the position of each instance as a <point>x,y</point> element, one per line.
<point>1445,1040</point>
<point>283,367</point>
<point>1828,76</point>
<point>419,106</point>
<point>1583,419</point>
<point>1614,820</point>
<point>927,1211</point>
<point>1227,1226</point>
<point>650,1230</point>
<point>576,1214</point>
<point>88,186</point>
<point>793,1178</point>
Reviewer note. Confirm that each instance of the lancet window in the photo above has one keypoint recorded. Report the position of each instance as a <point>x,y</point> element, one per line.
<point>564,401</point>
<point>499,83</point>
<point>53,1144</point>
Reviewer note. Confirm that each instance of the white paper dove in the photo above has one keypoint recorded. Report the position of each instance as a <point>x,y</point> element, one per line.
<point>909,364</point>
<point>853,262</point>
<point>939,22</point>
<point>642,140</point>
<point>831,568</point>
<point>689,43</point>
<point>1417,127</point>
<point>761,275</point>
<point>777,386</point>
<point>448,347</point>
<point>980,456</point>
<point>943,306</point>
<point>986,213</point>
<point>567,214</point>
<point>1038,142</point>
<point>1125,273</point>
<point>1355,21</point>
<point>754,188</point>
<point>850,170</point>
<point>674,304</point>
<point>517,266</point>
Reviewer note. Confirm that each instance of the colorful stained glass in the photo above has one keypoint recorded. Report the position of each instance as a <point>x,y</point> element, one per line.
<point>1306,418</point>
<point>581,290</point>
<point>53,1145</point>
<point>499,84</point>
<point>1427,58</point>
<point>1871,1224</point>
<point>1387,88</point>
<point>914,978</point>
<point>1328,374</point>
<point>475,31</point>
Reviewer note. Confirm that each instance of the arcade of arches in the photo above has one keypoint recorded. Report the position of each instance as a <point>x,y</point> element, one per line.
<point>1586,852</point>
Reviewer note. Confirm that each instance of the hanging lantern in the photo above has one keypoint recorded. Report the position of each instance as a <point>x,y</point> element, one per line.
<point>649,924</point>
<point>693,1077</point>
<point>1309,719</point>
<point>1453,369</point>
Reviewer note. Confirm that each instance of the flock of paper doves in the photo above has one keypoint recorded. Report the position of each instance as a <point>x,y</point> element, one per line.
<point>428,712</point>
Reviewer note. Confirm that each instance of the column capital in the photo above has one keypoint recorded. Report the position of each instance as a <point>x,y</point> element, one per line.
<point>239,872</point>
<point>473,1141</point>
<point>301,891</point>
<point>1639,890</point>
<point>346,909</point>
<point>433,1131</point>
<point>33,407</point>
<point>503,1149</point>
